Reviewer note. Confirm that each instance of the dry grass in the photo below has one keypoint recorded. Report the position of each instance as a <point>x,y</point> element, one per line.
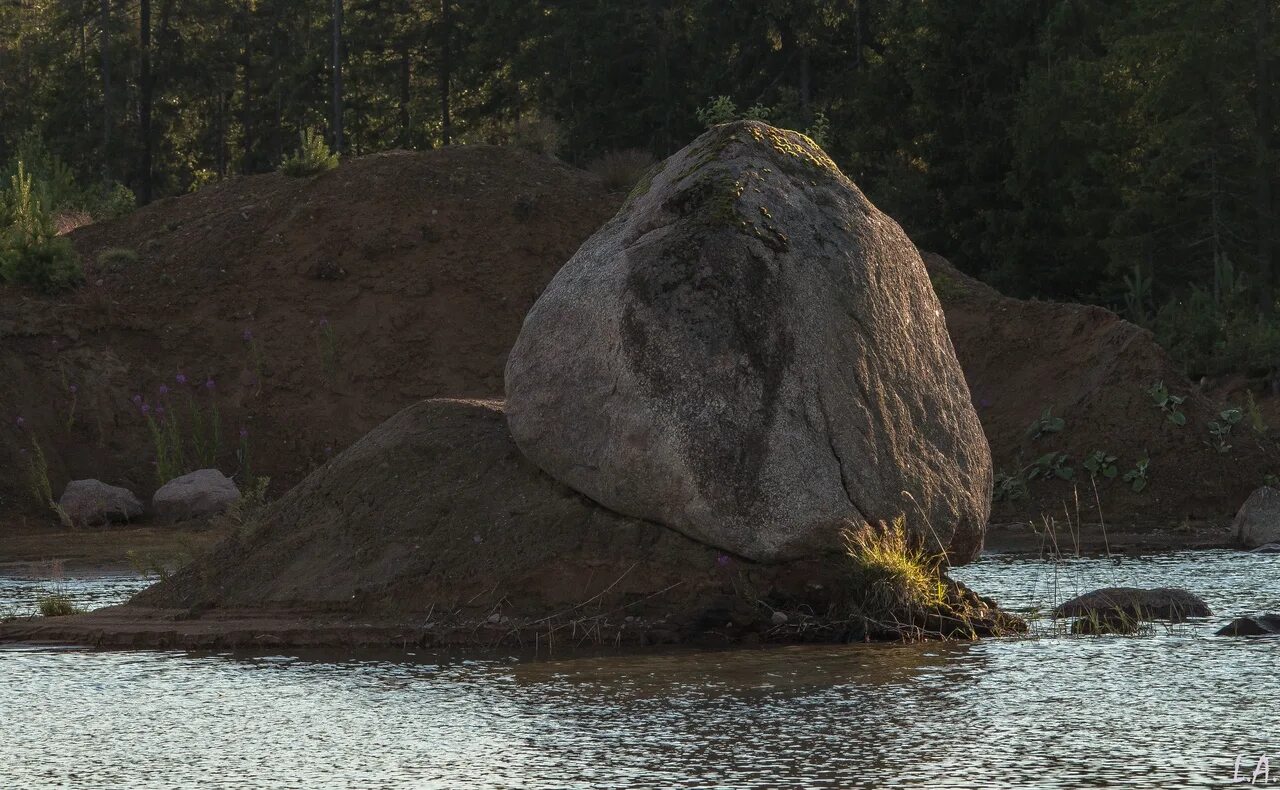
<point>619,171</point>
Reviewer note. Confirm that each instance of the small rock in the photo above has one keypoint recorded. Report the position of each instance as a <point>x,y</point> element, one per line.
<point>1260,625</point>
<point>203,493</point>
<point>779,618</point>
<point>92,502</point>
<point>1258,522</point>
<point>1118,603</point>
<point>494,619</point>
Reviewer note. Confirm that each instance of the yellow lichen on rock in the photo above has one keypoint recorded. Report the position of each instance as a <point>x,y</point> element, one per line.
<point>795,145</point>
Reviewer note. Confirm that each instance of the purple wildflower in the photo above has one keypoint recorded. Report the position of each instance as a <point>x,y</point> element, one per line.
<point>247,335</point>
<point>723,560</point>
<point>137,400</point>
<point>324,322</point>
<point>244,433</point>
<point>181,379</point>
<point>208,384</point>
<point>164,390</point>
<point>159,409</point>
<point>146,408</point>
<point>73,389</point>
<point>20,422</point>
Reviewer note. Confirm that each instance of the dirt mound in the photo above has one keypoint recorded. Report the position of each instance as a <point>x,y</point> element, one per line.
<point>1095,372</point>
<point>437,514</point>
<point>318,308</point>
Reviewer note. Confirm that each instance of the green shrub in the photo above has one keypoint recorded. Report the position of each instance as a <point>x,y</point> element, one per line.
<point>314,156</point>
<point>1215,337</point>
<point>116,202</point>
<point>892,573</point>
<point>116,258</point>
<point>722,109</point>
<point>621,170</point>
<point>31,252</point>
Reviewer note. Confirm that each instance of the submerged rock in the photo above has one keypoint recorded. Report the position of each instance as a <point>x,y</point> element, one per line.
<point>93,502</point>
<point>1270,548</point>
<point>1258,521</point>
<point>1118,604</point>
<point>751,353</point>
<point>1257,625</point>
<point>203,493</point>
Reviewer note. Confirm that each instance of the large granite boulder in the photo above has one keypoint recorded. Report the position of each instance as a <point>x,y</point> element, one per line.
<point>1258,520</point>
<point>93,502</point>
<point>1134,603</point>
<point>752,354</point>
<point>200,494</point>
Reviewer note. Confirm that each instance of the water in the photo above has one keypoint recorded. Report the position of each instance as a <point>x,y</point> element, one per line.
<point>1173,709</point>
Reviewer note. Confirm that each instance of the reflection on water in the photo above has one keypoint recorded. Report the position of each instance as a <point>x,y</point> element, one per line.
<point>1169,710</point>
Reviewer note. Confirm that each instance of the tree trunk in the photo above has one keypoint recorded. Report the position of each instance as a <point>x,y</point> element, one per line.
<point>104,10</point>
<point>446,66</point>
<point>337,76</point>
<point>1262,163</point>
<point>145,99</point>
<point>246,91</point>
<point>406,74</point>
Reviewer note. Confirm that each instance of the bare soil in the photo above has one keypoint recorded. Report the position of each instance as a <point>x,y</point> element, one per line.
<point>396,277</point>
<point>1094,370</point>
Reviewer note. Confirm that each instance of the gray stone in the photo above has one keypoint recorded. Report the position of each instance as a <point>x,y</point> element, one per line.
<point>200,494</point>
<point>1133,603</point>
<point>779,618</point>
<point>93,502</point>
<point>1258,521</point>
<point>752,354</point>
<point>1258,625</point>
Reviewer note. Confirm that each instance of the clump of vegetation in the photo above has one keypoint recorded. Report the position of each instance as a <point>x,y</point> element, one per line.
<point>117,258</point>
<point>312,157</point>
<point>327,340</point>
<point>243,514</point>
<point>1010,487</point>
<point>1101,463</point>
<point>185,427</point>
<point>38,484</point>
<point>1050,466</point>
<point>538,135</point>
<point>1137,477</point>
<point>31,251</point>
<point>1256,421</point>
<point>1046,424</point>
<point>1220,429</point>
<point>621,170</point>
<point>57,604</point>
<point>897,589</point>
<point>1168,403</point>
<point>894,574</point>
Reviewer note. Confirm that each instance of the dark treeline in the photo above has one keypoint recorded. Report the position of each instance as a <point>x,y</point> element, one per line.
<point>1115,152</point>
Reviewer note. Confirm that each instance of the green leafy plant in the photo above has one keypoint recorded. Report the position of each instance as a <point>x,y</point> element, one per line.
<point>723,109</point>
<point>1137,297</point>
<point>1009,487</point>
<point>820,130</point>
<point>313,156</point>
<point>1046,424</point>
<point>1168,403</point>
<point>1137,477</point>
<point>1221,428</point>
<point>1050,466</point>
<point>1101,463</point>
